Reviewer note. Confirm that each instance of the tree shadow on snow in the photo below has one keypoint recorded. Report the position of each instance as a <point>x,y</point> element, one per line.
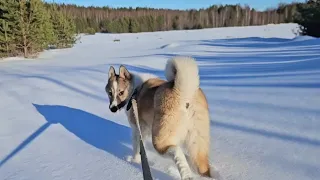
<point>25,143</point>
<point>94,130</point>
<point>258,42</point>
<point>298,59</point>
<point>266,133</point>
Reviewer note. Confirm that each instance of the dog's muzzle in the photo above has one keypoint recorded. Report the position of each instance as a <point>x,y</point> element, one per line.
<point>113,108</point>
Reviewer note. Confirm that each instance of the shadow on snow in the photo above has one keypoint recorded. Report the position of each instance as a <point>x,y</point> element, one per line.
<point>94,130</point>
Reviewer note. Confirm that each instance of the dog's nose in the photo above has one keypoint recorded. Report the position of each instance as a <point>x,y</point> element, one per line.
<point>113,108</point>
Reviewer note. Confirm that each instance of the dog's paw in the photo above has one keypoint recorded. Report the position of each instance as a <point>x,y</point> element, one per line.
<point>134,159</point>
<point>174,172</point>
<point>189,177</point>
<point>214,172</point>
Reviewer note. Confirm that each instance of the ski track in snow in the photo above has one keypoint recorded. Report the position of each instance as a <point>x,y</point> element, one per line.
<point>262,84</point>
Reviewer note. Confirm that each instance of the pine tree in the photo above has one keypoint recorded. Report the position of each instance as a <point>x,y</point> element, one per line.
<point>4,39</point>
<point>41,29</point>
<point>29,26</point>
<point>133,26</point>
<point>175,23</point>
<point>9,21</point>
<point>160,23</point>
<point>22,31</point>
<point>63,27</point>
<point>309,18</point>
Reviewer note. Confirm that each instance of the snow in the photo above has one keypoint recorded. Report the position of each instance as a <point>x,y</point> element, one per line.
<point>262,84</point>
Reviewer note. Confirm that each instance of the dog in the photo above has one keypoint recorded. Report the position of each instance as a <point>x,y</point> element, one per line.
<point>174,112</point>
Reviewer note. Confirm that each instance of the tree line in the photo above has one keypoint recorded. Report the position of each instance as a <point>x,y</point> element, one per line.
<point>125,20</point>
<point>30,26</point>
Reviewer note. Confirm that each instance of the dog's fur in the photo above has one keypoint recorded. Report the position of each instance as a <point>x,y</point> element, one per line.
<point>174,112</point>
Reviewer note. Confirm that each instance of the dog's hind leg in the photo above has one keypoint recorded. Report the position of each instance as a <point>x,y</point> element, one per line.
<point>198,144</point>
<point>177,155</point>
<point>198,154</point>
<point>168,145</point>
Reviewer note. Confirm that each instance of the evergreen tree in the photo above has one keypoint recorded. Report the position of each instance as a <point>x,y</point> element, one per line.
<point>41,29</point>
<point>104,25</point>
<point>160,23</point>
<point>175,23</point>
<point>90,31</point>
<point>9,17</point>
<point>130,26</point>
<point>309,18</point>
<point>4,39</point>
<point>23,31</point>
<point>64,28</point>
<point>30,26</point>
<point>133,26</point>
<point>151,23</point>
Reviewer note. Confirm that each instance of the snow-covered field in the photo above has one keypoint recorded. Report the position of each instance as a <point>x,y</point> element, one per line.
<point>262,83</point>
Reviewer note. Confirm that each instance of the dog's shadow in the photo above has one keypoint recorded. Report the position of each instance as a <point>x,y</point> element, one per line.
<point>94,130</point>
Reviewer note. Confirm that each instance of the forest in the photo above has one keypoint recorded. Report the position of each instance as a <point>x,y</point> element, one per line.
<point>28,27</point>
<point>124,20</point>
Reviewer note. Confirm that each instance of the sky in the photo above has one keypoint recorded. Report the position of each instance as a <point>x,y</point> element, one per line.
<point>175,4</point>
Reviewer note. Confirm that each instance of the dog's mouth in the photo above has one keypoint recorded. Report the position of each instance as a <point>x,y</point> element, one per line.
<point>118,107</point>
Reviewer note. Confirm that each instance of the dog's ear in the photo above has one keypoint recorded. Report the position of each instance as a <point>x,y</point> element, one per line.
<point>124,73</point>
<point>112,72</point>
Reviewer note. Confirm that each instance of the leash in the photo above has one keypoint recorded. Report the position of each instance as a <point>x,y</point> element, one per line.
<point>144,160</point>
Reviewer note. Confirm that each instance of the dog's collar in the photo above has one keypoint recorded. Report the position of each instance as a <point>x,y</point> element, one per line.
<point>133,96</point>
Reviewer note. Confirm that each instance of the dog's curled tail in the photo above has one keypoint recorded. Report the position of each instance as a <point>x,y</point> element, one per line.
<point>185,74</point>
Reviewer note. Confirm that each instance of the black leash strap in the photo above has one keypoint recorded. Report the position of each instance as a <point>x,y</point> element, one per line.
<point>144,160</point>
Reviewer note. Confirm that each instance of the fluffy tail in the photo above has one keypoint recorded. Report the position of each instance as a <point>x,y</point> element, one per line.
<point>184,71</point>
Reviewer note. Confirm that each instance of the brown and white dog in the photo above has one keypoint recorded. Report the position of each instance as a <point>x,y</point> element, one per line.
<point>174,113</point>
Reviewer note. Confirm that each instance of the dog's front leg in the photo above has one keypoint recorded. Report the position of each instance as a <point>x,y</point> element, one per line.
<point>136,157</point>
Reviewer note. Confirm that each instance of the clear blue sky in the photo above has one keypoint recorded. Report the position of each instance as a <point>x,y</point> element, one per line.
<point>176,4</point>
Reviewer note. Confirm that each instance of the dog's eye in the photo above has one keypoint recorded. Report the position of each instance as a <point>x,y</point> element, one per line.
<point>121,93</point>
<point>110,93</point>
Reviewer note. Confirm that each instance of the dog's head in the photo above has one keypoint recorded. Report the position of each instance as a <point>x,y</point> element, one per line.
<point>118,88</point>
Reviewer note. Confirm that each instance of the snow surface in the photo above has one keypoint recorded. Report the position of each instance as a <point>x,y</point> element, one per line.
<point>262,83</point>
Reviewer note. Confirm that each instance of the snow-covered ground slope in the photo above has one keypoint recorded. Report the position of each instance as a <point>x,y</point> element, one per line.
<point>262,83</point>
